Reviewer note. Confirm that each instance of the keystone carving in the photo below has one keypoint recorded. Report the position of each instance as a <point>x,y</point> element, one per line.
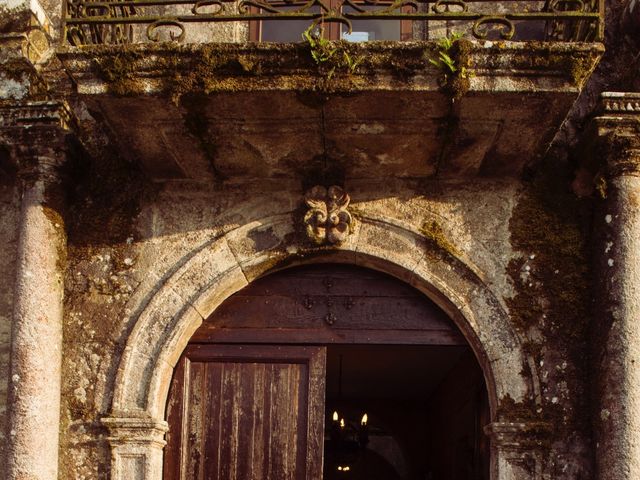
<point>327,219</point>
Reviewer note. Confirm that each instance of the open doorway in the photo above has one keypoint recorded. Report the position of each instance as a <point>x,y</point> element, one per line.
<point>404,412</point>
<point>255,392</point>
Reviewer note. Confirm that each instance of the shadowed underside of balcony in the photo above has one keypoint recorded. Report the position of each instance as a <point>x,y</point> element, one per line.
<point>232,112</point>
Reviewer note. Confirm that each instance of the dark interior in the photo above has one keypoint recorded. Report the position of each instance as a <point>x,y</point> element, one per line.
<point>426,406</point>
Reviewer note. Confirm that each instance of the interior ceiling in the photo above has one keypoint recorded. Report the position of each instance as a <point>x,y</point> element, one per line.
<point>389,372</point>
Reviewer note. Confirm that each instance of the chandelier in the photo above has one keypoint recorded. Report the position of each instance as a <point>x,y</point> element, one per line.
<point>347,441</point>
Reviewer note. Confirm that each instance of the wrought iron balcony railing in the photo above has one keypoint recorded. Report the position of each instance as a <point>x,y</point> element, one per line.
<point>125,21</point>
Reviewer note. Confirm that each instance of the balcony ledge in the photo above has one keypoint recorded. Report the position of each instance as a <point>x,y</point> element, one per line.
<point>158,68</point>
<point>266,110</point>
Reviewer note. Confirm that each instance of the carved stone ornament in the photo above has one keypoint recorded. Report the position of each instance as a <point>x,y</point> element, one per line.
<point>327,219</point>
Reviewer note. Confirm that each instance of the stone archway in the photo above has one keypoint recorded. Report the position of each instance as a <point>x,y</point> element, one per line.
<point>227,263</point>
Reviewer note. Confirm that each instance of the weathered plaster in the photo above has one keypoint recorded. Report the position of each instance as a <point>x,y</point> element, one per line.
<point>161,273</point>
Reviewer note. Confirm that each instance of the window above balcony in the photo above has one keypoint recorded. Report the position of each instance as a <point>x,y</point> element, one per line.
<point>204,21</point>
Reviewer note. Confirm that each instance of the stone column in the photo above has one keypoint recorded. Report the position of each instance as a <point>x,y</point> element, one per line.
<point>616,339</point>
<point>34,383</point>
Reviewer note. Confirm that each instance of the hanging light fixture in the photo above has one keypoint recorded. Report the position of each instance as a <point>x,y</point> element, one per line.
<point>347,437</point>
<point>347,440</point>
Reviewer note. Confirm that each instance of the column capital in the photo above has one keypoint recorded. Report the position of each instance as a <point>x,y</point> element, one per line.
<point>136,430</point>
<point>36,134</point>
<point>624,154</point>
<point>618,131</point>
<point>517,436</point>
<point>518,447</point>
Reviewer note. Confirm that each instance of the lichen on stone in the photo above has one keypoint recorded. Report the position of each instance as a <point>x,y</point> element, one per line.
<point>551,303</point>
<point>434,235</point>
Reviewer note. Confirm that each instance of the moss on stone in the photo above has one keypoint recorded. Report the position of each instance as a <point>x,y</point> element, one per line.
<point>539,427</point>
<point>601,186</point>
<point>118,70</point>
<point>436,238</point>
<point>455,81</point>
<point>197,124</point>
<point>20,70</point>
<point>106,200</point>
<point>59,240</point>
<point>235,67</point>
<point>581,65</point>
<point>183,69</point>
<point>17,19</point>
<point>577,65</point>
<point>552,302</point>
<point>547,228</point>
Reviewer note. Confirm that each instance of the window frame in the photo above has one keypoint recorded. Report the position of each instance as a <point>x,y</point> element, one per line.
<point>332,29</point>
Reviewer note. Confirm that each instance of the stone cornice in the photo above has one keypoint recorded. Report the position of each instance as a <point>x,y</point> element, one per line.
<point>620,103</point>
<point>37,113</point>
<point>145,69</point>
<point>138,430</point>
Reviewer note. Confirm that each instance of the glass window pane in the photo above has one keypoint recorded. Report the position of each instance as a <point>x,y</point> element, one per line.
<point>370,30</point>
<point>285,30</point>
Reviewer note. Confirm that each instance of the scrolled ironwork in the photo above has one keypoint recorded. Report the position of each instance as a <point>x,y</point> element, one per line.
<point>580,29</point>
<point>96,25</point>
<point>208,3</point>
<point>153,35</point>
<point>112,21</point>
<point>506,28</point>
<point>565,6</point>
<point>443,6</point>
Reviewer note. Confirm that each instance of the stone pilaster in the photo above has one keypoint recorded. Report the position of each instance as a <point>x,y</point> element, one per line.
<point>514,452</point>
<point>36,136</point>
<point>616,339</point>
<point>136,447</point>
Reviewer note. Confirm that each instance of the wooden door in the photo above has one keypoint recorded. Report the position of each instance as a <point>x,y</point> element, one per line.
<point>246,412</point>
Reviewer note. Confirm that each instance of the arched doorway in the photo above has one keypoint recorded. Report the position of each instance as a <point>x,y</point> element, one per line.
<point>255,391</point>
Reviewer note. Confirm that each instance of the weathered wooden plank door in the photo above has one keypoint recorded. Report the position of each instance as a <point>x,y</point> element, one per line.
<point>245,412</point>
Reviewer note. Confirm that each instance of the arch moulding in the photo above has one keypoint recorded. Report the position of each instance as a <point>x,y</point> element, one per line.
<point>226,264</point>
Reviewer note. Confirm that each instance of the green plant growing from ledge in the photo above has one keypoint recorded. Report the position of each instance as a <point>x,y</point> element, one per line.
<point>444,61</point>
<point>322,50</point>
<point>329,55</point>
<point>453,61</point>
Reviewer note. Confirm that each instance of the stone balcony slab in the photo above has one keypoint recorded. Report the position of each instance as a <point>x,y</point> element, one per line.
<point>231,112</point>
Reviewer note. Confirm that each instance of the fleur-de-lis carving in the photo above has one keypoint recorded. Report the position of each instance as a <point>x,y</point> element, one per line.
<point>327,219</point>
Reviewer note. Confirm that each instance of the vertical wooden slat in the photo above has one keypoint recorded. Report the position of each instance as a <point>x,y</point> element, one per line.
<point>175,407</point>
<point>246,413</point>
<point>314,394</point>
<point>266,432</point>
<point>255,26</point>
<point>257,434</point>
<point>195,458</point>
<point>235,406</point>
<point>281,412</point>
<point>226,421</point>
<point>246,420</point>
<point>185,452</point>
<point>213,391</point>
